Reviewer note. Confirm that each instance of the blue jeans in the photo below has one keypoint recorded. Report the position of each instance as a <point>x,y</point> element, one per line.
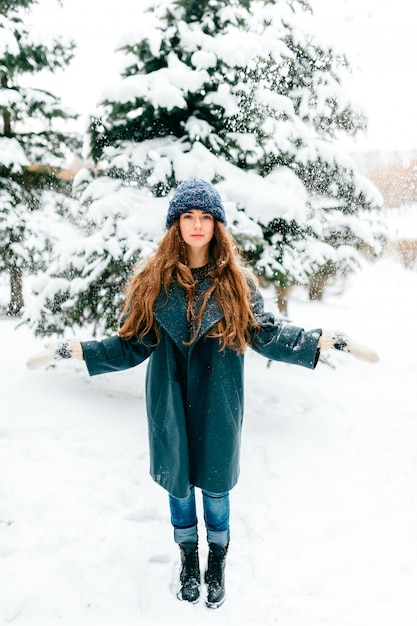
<point>216,508</point>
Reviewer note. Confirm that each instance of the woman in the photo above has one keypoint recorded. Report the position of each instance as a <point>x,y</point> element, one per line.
<point>192,310</point>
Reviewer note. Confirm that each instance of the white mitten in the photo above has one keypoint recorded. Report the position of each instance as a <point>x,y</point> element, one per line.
<point>340,341</point>
<point>67,349</point>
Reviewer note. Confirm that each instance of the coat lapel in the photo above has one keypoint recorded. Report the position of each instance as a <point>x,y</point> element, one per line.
<point>212,314</point>
<point>172,315</point>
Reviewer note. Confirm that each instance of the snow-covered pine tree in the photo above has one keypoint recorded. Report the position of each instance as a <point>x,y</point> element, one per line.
<point>234,91</point>
<point>303,138</point>
<point>31,151</point>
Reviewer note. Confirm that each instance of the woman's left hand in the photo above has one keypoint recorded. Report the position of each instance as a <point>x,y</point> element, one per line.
<point>339,341</point>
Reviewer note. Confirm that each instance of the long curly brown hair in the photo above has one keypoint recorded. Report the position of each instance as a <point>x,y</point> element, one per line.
<point>229,286</point>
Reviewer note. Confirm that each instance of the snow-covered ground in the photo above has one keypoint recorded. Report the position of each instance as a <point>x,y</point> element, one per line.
<point>324,517</point>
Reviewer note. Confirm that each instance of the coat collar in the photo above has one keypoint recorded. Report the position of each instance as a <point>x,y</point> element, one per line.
<point>171,314</point>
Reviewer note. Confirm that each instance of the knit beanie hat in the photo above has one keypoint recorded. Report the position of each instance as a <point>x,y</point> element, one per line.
<point>195,194</point>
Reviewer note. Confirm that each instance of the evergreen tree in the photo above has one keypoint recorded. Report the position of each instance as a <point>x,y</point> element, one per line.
<point>240,93</point>
<point>31,151</point>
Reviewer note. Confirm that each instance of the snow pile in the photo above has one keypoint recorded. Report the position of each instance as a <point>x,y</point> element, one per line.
<point>323,518</point>
<point>402,222</point>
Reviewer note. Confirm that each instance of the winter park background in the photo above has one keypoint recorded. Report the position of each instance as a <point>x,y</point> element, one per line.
<point>325,513</point>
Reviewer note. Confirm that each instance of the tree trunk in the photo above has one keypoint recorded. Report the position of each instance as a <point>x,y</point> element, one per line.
<point>317,285</point>
<point>282,299</point>
<point>7,120</point>
<point>16,292</point>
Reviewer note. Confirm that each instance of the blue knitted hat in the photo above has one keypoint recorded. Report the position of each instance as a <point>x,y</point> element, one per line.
<point>195,194</point>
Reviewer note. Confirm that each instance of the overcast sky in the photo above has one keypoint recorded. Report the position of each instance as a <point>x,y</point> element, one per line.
<point>378,35</point>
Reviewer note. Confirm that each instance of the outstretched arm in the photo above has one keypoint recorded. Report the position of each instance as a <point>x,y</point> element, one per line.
<point>109,355</point>
<point>281,341</point>
<point>288,343</point>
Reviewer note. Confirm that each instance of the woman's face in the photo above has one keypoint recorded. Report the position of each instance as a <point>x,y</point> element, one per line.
<point>197,228</point>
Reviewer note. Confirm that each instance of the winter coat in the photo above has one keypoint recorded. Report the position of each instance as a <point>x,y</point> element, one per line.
<point>194,395</point>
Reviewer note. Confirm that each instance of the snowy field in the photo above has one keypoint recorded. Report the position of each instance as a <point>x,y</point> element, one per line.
<point>324,517</point>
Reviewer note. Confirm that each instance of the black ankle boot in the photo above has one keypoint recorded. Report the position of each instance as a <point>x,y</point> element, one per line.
<point>190,572</point>
<point>214,576</point>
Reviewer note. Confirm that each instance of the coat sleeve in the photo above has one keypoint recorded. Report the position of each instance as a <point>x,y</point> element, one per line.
<point>281,341</point>
<point>115,354</point>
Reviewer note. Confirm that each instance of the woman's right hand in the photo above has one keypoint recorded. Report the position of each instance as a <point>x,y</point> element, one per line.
<point>67,349</point>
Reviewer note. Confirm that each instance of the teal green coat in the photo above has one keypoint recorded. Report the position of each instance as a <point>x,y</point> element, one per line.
<point>194,395</point>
